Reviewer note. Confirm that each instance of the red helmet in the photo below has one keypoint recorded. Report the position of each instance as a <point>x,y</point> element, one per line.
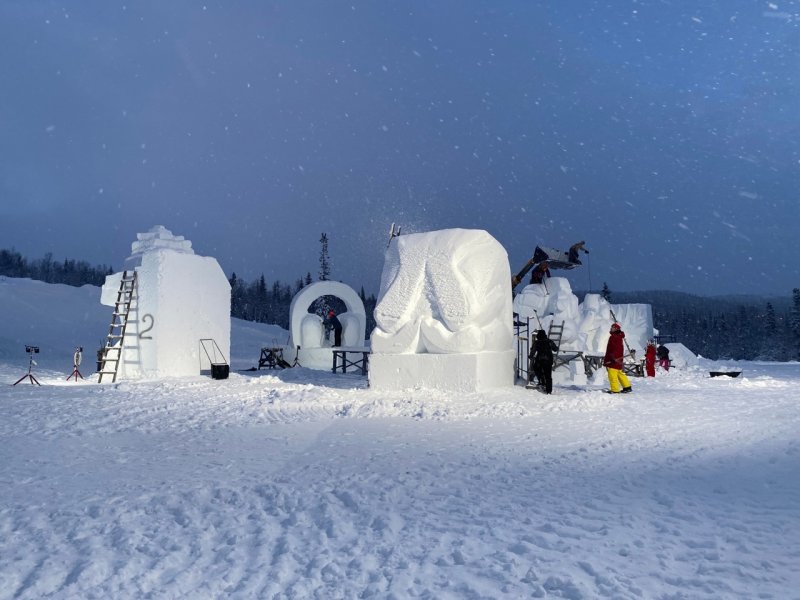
<point>615,327</point>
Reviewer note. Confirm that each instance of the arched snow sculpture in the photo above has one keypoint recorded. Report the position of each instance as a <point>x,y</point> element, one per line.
<point>444,316</point>
<point>307,331</point>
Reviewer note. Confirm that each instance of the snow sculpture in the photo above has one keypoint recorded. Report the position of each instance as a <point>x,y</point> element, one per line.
<point>637,323</point>
<point>444,315</point>
<point>552,302</point>
<point>307,334</point>
<point>180,298</point>
<point>586,325</point>
<point>594,324</point>
<point>681,357</point>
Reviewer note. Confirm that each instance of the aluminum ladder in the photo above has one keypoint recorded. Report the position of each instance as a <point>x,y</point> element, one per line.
<point>112,351</point>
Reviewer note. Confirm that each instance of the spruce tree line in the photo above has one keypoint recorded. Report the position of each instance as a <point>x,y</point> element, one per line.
<point>68,271</point>
<point>742,328</point>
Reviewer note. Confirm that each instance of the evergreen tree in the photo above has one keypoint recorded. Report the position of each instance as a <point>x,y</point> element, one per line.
<point>70,272</point>
<point>238,300</point>
<point>770,321</point>
<point>324,259</point>
<point>606,293</point>
<point>794,322</point>
<point>261,301</point>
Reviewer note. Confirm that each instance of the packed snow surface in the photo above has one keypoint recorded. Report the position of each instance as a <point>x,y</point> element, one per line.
<point>305,484</point>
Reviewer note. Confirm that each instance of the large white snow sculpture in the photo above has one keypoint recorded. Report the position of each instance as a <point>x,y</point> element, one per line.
<point>586,325</point>
<point>443,317</point>
<point>180,298</point>
<point>308,333</point>
<point>548,303</point>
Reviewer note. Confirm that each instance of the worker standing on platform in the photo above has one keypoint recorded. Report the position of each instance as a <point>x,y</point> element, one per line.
<point>540,272</point>
<point>573,252</point>
<point>332,322</point>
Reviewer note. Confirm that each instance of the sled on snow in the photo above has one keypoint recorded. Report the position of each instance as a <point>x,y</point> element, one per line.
<point>724,373</point>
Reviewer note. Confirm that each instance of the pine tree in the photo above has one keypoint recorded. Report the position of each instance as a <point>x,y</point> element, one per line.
<point>794,321</point>
<point>606,293</point>
<point>324,259</point>
<point>770,324</point>
<point>238,301</point>
<point>794,314</point>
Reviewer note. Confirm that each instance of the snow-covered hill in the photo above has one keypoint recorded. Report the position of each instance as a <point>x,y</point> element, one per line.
<point>58,318</point>
<point>305,484</point>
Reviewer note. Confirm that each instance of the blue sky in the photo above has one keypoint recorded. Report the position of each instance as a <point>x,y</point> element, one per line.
<point>663,133</point>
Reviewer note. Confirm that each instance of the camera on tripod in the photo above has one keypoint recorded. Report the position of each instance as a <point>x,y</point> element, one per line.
<point>31,350</point>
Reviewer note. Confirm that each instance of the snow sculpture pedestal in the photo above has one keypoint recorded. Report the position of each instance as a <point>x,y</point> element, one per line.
<point>446,372</point>
<point>307,341</point>
<point>180,299</point>
<point>444,317</point>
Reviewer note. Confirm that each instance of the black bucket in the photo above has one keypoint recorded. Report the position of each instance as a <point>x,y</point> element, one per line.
<point>220,371</point>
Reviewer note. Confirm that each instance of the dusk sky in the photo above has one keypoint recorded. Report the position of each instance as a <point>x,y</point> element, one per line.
<point>664,133</point>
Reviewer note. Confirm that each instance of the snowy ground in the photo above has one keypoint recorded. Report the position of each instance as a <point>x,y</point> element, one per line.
<point>304,484</point>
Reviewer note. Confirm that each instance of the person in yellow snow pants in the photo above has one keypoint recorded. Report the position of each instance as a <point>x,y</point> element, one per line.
<point>618,381</point>
<point>613,361</point>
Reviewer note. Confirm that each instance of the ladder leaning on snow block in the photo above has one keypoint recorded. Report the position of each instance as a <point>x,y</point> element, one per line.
<point>112,351</point>
<point>561,357</point>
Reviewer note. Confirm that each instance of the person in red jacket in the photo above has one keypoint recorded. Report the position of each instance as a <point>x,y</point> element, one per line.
<point>650,359</point>
<point>613,361</point>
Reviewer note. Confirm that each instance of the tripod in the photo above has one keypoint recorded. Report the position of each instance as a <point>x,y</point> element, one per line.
<point>29,375</point>
<point>75,373</point>
<point>76,360</point>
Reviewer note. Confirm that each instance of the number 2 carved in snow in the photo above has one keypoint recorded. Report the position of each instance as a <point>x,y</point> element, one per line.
<point>145,318</point>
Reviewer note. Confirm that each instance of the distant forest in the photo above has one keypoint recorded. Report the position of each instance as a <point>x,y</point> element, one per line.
<point>252,301</point>
<point>724,327</point>
<point>68,271</point>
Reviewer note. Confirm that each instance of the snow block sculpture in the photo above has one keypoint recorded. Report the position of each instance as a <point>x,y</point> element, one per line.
<point>552,302</point>
<point>444,317</point>
<point>637,323</point>
<point>307,334</point>
<point>586,325</point>
<point>180,299</point>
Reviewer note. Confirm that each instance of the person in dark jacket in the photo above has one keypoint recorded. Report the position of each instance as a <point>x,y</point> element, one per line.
<point>540,272</point>
<point>663,356</point>
<point>332,322</point>
<point>573,252</point>
<point>614,361</point>
<point>541,360</point>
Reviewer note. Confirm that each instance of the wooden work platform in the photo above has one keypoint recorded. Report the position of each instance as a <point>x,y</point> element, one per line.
<point>351,356</point>
<point>272,358</point>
